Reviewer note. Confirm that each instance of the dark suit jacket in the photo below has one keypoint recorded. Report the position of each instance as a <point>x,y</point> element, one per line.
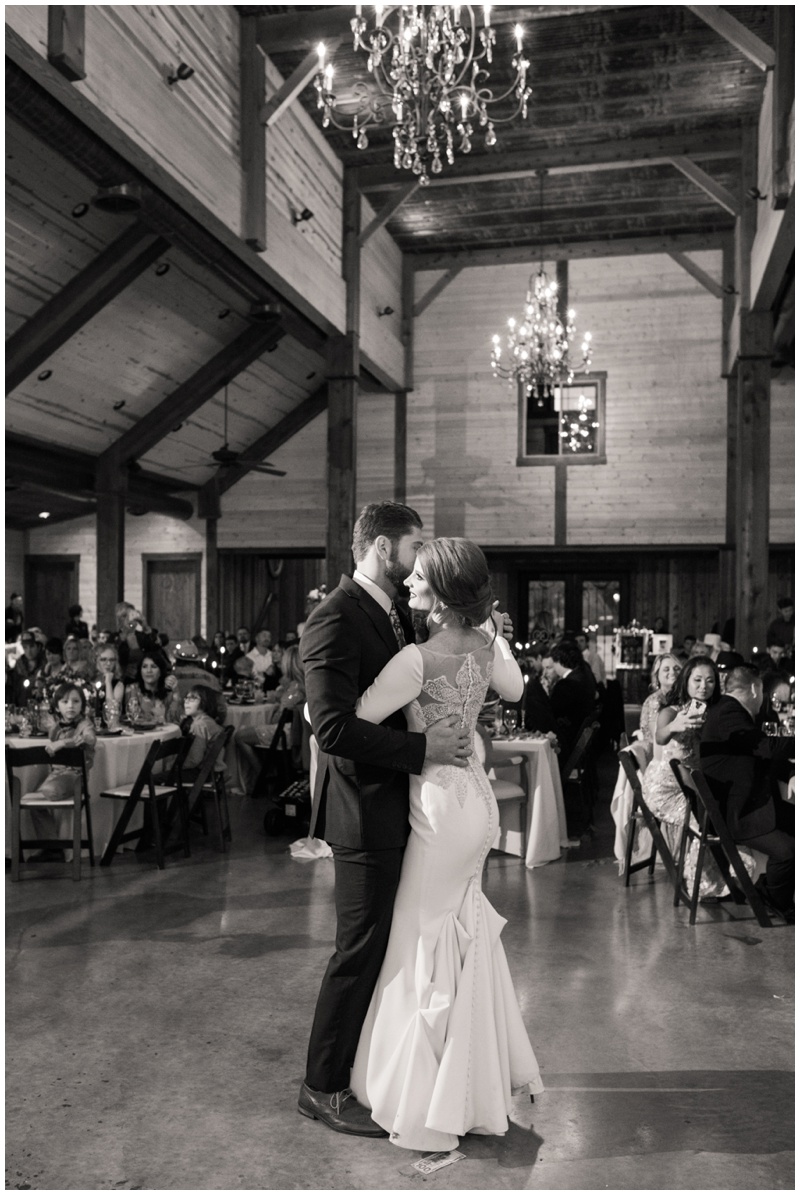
<point>572,701</point>
<point>361,788</point>
<point>737,760</point>
<point>538,714</point>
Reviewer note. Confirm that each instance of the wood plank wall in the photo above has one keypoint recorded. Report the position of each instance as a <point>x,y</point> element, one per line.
<point>656,334</point>
<point>248,578</point>
<point>192,130</point>
<point>782,432</point>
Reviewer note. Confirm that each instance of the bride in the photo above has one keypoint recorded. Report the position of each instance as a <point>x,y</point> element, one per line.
<point>443,1048</point>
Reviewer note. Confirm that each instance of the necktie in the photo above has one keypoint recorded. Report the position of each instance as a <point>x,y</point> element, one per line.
<point>397,627</point>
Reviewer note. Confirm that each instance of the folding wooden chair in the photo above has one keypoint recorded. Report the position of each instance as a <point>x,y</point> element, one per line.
<point>156,798</point>
<point>576,780</point>
<point>276,764</point>
<point>713,835</point>
<point>640,815</point>
<point>209,782</point>
<point>70,757</point>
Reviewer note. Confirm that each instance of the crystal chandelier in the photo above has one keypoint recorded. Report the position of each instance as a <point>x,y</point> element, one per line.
<point>539,343</point>
<point>431,80</point>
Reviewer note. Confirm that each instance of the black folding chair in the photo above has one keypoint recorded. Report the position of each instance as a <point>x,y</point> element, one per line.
<point>70,757</point>
<point>642,815</point>
<point>156,796</point>
<point>577,780</point>
<point>713,835</point>
<point>276,762</point>
<point>210,783</point>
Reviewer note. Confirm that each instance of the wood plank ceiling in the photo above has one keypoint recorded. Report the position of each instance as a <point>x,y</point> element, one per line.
<point>637,84</point>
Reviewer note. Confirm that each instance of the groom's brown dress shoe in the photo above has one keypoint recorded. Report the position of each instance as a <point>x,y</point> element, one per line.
<point>339,1110</point>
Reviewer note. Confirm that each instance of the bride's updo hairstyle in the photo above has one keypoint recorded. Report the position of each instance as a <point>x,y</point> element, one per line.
<point>458,575</point>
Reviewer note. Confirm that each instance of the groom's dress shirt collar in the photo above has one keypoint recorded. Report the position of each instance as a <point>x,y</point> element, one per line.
<point>374,591</point>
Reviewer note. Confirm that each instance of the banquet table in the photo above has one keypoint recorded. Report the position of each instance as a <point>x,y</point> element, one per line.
<point>547,821</point>
<point>117,760</point>
<point>257,713</point>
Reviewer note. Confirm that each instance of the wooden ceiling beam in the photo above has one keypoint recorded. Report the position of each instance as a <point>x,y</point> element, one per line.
<point>299,29</point>
<point>204,383</point>
<point>277,104</point>
<point>700,275</point>
<point>82,297</point>
<point>35,463</point>
<point>403,192</point>
<point>264,446</point>
<point>705,182</point>
<point>736,33</point>
<point>609,155</point>
<point>525,254</point>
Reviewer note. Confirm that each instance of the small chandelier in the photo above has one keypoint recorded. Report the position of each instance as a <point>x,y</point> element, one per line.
<point>539,343</point>
<point>431,81</point>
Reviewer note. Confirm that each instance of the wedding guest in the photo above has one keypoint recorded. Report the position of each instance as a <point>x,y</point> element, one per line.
<point>15,618</point>
<point>688,643</point>
<point>75,663</point>
<point>155,688</point>
<point>21,683</point>
<point>201,723</point>
<point>264,667</point>
<point>740,763</point>
<point>71,728</point>
<point>665,671</point>
<point>189,670</point>
<point>777,689</point>
<point>290,693</point>
<point>108,679</point>
<point>76,626</point>
<point>537,713</point>
<point>133,639</point>
<point>781,629</point>
<point>572,697</point>
<point>594,660</point>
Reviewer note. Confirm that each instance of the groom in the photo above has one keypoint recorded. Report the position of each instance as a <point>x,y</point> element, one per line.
<point>360,801</point>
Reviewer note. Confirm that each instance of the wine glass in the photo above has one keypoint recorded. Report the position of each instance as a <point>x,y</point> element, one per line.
<point>510,719</point>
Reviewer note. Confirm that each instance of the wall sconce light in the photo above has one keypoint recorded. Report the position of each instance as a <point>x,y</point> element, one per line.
<point>44,514</point>
<point>45,374</point>
<point>182,73</point>
<point>754,193</point>
<point>264,313</point>
<point>384,311</point>
<point>300,217</point>
<point>730,289</point>
<point>162,269</point>
<point>79,210</point>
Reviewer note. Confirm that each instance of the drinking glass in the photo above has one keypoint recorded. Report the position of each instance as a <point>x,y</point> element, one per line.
<point>510,718</point>
<point>112,712</point>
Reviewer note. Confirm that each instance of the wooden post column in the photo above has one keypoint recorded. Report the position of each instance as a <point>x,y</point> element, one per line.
<point>111,488</point>
<point>208,508</point>
<point>342,375</point>
<point>752,481</point>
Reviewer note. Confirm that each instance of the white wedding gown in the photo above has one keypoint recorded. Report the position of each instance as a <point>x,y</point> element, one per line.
<point>443,1047</point>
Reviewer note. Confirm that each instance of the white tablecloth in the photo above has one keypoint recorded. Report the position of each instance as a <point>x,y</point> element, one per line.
<point>240,716</point>
<point>116,761</point>
<point>547,821</point>
<point>621,805</point>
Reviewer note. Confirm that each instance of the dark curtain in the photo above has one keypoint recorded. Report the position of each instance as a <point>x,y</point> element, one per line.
<point>265,591</point>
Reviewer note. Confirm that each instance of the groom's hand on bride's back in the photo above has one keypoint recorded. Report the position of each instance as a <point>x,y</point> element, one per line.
<point>448,742</point>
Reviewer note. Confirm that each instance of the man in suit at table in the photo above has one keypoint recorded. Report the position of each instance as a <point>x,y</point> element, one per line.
<point>536,709</point>
<point>360,802</point>
<point>573,696</point>
<point>741,765</point>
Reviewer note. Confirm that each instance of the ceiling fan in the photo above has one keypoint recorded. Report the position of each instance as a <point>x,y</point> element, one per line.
<point>226,456</point>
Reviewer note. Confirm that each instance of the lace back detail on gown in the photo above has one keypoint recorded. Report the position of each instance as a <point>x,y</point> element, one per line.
<point>455,685</point>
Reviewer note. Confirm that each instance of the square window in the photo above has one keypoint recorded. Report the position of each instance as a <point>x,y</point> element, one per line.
<point>566,423</point>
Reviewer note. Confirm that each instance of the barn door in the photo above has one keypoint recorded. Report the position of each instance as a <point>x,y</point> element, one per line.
<point>172,594</point>
<point>51,587</point>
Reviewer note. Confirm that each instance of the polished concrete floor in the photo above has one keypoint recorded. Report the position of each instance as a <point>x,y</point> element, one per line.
<point>156,1025</point>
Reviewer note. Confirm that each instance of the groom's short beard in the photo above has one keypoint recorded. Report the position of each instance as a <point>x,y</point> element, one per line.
<point>394,570</point>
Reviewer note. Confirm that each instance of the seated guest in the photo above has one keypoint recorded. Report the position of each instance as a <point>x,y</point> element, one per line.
<point>244,669</point>
<point>740,762</point>
<point>700,649</point>
<point>15,619</point>
<point>189,671</point>
<point>772,660</point>
<point>132,639</point>
<point>572,697</point>
<point>154,689</point>
<point>201,722</point>
<point>777,692</point>
<point>290,693</point>
<point>781,630</point>
<point>108,679</point>
<point>76,626</point>
<point>232,654</point>
<point>665,671</point>
<point>75,663</point>
<point>53,660</point>
<point>684,651</point>
<point>21,684</point>
<point>244,640</point>
<point>264,666</point>
<point>537,713</point>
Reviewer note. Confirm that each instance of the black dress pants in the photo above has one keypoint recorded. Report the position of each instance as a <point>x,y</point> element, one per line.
<point>365,887</point>
<point>778,846</point>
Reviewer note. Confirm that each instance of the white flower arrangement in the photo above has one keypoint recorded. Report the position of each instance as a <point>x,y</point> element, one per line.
<point>316,595</point>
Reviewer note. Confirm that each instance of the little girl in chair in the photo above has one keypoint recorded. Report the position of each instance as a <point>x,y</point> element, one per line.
<point>72,728</point>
